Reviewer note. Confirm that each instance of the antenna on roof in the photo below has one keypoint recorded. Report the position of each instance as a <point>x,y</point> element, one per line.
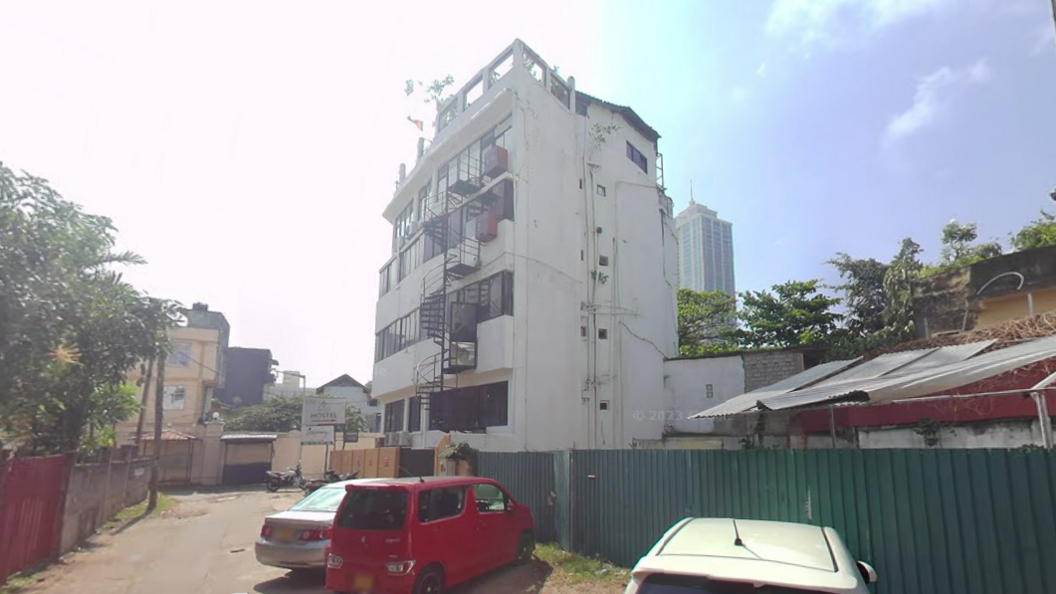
<point>737,542</point>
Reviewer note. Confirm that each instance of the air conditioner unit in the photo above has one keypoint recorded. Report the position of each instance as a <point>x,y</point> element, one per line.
<point>496,161</point>
<point>486,226</point>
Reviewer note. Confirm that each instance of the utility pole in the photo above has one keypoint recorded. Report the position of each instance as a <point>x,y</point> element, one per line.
<point>143,404</point>
<point>159,411</point>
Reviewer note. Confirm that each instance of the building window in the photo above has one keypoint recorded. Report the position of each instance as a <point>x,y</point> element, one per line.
<point>410,258</point>
<point>174,397</point>
<point>603,333</point>
<point>415,418</point>
<point>637,157</point>
<point>180,355</point>
<point>397,336</point>
<point>447,116</point>
<point>372,402</point>
<point>501,68</point>
<point>385,280</point>
<point>559,90</point>
<point>467,164</point>
<point>394,416</point>
<point>493,296</point>
<point>426,204</point>
<point>583,331</point>
<point>601,190</point>
<point>472,409</point>
<point>401,229</point>
<point>534,66</point>
<point>603,260</point>
<point>474,92</point>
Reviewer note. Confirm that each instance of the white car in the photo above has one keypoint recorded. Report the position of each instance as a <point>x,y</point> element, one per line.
<point>727,556</point>
<point>297,538</point>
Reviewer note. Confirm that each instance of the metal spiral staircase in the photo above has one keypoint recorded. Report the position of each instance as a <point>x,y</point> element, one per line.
<point>461,256</point>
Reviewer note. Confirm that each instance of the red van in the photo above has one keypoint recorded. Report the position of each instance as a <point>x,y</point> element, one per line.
<point>421,535</point>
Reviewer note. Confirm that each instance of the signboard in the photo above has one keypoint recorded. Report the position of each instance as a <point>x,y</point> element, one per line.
<point>322,411</point>
<point>351,436</point>
<point>318,435</point>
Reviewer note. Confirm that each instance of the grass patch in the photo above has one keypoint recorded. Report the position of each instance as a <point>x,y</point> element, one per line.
<point>18,582</point>
<point>136,512</point>
<point>576,569</point>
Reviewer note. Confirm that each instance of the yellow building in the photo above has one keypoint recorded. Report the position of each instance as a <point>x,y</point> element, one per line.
<point>193,372</point>
<point>986,294</point>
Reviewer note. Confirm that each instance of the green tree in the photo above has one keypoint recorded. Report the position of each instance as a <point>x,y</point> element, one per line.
<point>706,321</point>
<point>281,415</point>
<point>796,313</point>
<point>433,92</point>
<point>959,246</point>
<point>904,267</point>
<point>1038,233</point>
<point>863,293</point>
<point>70,327</point>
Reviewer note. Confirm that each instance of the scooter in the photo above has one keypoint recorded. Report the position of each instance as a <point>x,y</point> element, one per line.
<point>330,476</point>
<point>287,478</point>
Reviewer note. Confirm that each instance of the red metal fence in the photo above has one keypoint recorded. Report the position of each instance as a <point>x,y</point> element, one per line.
<point>31,498</point>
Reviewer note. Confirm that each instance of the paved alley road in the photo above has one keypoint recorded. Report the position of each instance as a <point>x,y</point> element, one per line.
<point>205,546</point>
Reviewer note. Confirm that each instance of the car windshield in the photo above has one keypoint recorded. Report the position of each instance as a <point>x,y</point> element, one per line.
<point>373,509</point>
<point>679,584</point>
<point>323,500</point>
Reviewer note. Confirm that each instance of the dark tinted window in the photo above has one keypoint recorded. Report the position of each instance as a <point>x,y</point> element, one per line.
<point>437,504</point>
<point>373,509</point>
<point>678,584</point>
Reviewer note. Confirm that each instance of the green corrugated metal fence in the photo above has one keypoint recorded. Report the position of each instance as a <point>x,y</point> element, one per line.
<point>530,479</point>
<point>930,521</point>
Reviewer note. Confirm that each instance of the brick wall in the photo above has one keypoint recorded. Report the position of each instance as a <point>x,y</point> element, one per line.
<point>763,369</point>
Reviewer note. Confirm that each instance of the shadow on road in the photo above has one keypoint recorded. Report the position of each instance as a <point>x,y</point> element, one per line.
<point>294,581</point>
<point>515,578</point>
<point>523,578</point>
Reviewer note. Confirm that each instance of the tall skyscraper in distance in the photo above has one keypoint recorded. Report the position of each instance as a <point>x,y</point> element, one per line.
<point>705,249</point>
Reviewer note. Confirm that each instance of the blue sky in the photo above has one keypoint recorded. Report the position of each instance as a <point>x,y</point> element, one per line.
<point>247,149</point>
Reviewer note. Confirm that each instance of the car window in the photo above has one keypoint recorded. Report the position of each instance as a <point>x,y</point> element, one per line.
<point>323,500</point>
<point>660,583</point>
<point>373,509</point>
<point>438,504</point>
<point>490,498</point>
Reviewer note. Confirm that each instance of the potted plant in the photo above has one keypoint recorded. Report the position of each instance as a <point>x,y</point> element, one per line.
<point>460,459</point>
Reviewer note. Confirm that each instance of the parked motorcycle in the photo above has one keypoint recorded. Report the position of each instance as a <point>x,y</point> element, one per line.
<point>287,478</point>
<point>330,476</point>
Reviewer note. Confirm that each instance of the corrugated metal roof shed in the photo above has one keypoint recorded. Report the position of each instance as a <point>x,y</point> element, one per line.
<point>746,402</point>
<point>923,382</point>
<point>879,366</point>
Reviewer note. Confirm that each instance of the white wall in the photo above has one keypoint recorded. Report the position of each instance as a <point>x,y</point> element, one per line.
<point>686,382</point>
<point>1011,434</point>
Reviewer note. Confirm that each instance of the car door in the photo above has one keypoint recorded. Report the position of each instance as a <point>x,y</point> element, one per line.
<point>495,524</point>
<point>446,531</point>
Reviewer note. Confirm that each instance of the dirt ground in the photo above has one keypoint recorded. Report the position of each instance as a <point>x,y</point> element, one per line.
<point>205,545</point>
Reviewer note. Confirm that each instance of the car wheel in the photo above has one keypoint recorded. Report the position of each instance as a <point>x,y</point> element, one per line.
<point>430,581</point>
<point>525,548</point>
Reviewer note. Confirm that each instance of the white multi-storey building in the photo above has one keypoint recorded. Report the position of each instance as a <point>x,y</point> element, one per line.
<point>705,254</point>
<point>529,302</point>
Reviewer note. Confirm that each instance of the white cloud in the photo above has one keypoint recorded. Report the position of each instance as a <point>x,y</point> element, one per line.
<point>834,22</point>
<point>1042,40</point>
<point>932,98</point>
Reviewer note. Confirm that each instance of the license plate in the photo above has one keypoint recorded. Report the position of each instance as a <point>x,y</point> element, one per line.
<point>362,581</point>
<point>284,534</point>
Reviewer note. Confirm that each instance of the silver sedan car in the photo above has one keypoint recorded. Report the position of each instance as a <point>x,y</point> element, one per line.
<point>297,538</point>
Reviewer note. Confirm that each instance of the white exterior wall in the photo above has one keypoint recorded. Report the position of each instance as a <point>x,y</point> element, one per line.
<point>686,383</point>
<point>554,398</point>
<point>1009,434</point>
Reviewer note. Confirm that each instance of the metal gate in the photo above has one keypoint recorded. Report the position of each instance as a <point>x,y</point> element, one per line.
<point>31,497</point>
